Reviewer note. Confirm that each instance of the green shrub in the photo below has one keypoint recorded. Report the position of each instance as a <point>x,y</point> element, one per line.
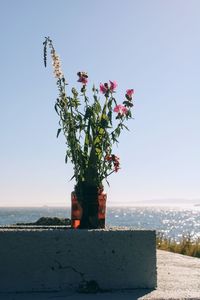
<point>186,246</point>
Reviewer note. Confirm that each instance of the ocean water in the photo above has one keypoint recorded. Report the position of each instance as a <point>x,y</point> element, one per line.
<point>172,222</point>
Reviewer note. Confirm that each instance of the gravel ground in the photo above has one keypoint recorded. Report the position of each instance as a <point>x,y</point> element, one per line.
<point>178,278</point>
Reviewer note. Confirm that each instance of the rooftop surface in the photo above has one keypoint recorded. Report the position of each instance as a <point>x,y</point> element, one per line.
<point>178,278</point>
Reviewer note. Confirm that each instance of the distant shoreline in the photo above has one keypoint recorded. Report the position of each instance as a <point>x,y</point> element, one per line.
<point>160,203</point>
<point>111,205</point>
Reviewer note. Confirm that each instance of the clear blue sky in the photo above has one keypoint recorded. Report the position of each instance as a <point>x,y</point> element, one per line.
<point>151,46</point>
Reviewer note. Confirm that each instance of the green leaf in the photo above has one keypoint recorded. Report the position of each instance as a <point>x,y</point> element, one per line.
<point>118,131</point>
<point>101,131</point>
<point>114,100</point>
<point>128,103</point>
<point>58,132</point>
<point>105,117</point>
<point>110,116</point>
<point>125,127</point>
<point>72,178</point>
<point>56,108</point>
<point>104,123</point>
<point>107,182</point>
<point>86,139</point>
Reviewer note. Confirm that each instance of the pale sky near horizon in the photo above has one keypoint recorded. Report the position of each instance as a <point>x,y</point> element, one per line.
<point>151,46</point>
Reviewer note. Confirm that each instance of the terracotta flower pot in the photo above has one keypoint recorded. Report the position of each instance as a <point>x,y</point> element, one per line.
<point>77,211</point>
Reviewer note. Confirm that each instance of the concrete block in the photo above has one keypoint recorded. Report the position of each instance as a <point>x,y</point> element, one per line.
<point>59,259</point>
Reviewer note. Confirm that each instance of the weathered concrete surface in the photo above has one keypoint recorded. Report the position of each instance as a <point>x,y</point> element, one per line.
<point>55,260</point>
<point>178,278</point>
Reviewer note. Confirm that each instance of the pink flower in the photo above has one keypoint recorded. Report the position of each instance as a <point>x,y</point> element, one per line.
<point>103,88</point>
<point>113,85</point>
<point>83,77</point>
<point>130,93</point>
<point>83,80</point>
<point>120,109</point>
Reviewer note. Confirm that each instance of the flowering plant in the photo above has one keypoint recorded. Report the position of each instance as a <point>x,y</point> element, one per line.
<point>90,129</point>
<point>89,132</point>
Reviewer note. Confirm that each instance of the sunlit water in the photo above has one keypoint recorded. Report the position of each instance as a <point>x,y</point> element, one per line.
<point>173,222</point>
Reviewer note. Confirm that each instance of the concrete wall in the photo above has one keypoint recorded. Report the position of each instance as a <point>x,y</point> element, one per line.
<point>41,260</point>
